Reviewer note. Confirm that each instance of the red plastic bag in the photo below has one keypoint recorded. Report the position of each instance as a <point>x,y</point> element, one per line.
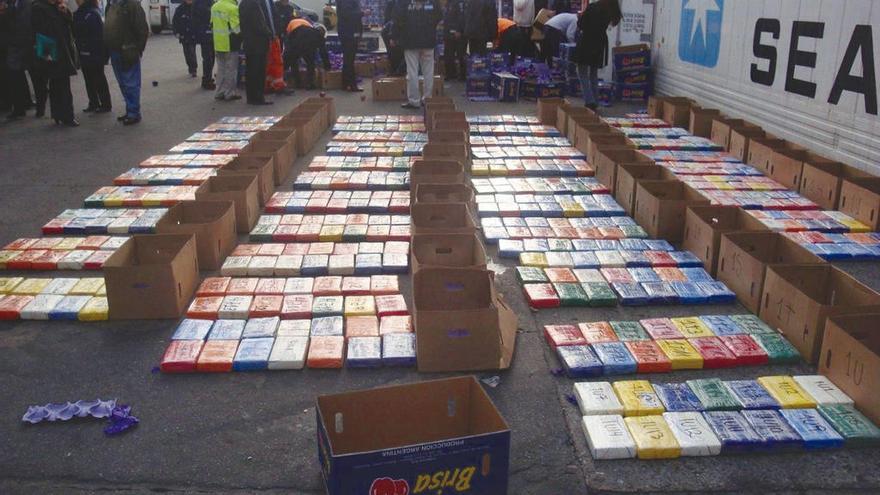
<point>275,68</point>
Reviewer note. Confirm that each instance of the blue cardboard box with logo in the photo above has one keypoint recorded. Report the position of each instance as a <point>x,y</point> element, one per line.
<point>504,86</point>
<point>438,437</point>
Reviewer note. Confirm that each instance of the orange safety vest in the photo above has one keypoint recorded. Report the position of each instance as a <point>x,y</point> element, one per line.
<point>296,24</point>
<point>503,25</point>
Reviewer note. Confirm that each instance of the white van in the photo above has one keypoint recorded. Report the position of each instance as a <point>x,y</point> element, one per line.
<point>159,13</point>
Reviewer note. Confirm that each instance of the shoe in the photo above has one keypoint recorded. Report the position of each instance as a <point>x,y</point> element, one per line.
<point>104,110</point>
<point>209,85</point>
<point>219,97</point>
<point>121,118</point>
<point>233,97</point>
<point>410,106</point>
<point>69,123</point>
<point>90,109</point>
<point>41,111</point>
<point>262,102</point>
<point>130,120</point>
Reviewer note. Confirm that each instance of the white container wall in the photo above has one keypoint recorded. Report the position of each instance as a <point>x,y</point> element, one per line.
<point>805,70</point>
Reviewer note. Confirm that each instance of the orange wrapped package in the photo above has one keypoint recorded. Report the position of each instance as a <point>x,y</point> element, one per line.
<point>326,352</point>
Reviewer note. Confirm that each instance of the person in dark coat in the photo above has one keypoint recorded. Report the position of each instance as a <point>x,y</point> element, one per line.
<point>480,25</point>
<point>591,51</point>
<point>88,31</point>
<point>19,61</point>
<point>283,12</point>
<point>56,55</point>
<point>454,40</point>
<point>416,25</point>
<point>192,25</point>
<point>559,6</point>
<point>257,30</point>
<point>6,20</point>
<point>125,36</point>
<point>350,26</point>
<point>304,39</point>
<point>396,66</point>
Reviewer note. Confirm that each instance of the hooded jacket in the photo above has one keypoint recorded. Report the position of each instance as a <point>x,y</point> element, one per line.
<point>225,26</point>
<point>126,30</point>
<point>88,31</point>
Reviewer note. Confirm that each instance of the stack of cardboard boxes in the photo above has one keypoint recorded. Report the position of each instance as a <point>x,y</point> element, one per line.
<point>461,321</point>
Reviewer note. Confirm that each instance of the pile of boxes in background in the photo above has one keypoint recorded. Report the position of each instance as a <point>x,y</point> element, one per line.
<point>631,66</point>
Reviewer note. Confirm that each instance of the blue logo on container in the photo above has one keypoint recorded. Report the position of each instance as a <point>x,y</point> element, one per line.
<point>699,35</point>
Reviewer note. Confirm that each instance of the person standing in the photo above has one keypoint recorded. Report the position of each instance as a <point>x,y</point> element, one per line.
<point>88,31</point>
<point>480,25</point>
<point>395,54</point>
<point>6,20</point>
<point>454,41</point>
<point>257,31</point>
<point>304,40</point>
<point>56,55</point>
<point>591,52</point>
<point>416,22</point>
<point>19,60</point>
<point>560,28</point>
<point>350,27</point>
<point>125,36</point>
<point>192,25</point>
<point>225,28</point>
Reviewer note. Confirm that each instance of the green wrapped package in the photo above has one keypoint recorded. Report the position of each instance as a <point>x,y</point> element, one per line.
<point>853,426</point>
<point>714,395</point>
<point>634,231</point>
<point>354,233</point>
<point>600,294</point>
<point>530,275</point>
<point>751,324</point>
<point>629,331</point>
<point>571,294</point>
<point>778,349</point>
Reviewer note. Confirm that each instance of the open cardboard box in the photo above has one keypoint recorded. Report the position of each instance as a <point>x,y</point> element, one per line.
<point>547,110</point>
<point>274,144</point>
<point>704,224</point>
<point>797,299</point>
<point>821,181</point>
<point>787,165</point>
<point>576,116</point>
<point>443,193</point>
<point>448,137</point>
<point>860,199</point>
<point>761,151</point>
<point>584,132</point>
<point>438,99</point>
<point>655,106</point>
<point>700,123</point>
<point>607,158</point>
<point>580,126</point>
<point>740,138</point>
<point>595,141</point>
<point>722,127</point>
<point>452,125</point>
<point>426,437</point>
<point>628,174</point>
<point>660,207</point>
<point>329,106</point>
<point>447,250</point>
<point>562,117</point>
<point>435,172</point>
<point>213,224</point>
<point>152,277</point>
<point>313,108</point>
<point>241,190</point>
<point>850,358</point>
<point>445,151</point>
<point>307,128</point>
<point>433,108</point>
<point>262,166</point>
<point>441,218</point>
<point>461,321</point>
<point>677,111</point>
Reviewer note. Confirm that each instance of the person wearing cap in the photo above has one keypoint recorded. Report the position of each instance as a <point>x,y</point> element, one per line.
<point>303,40</point>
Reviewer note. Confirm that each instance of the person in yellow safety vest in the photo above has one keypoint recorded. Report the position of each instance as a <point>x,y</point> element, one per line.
<point>303,39</point>
<point>227,42</point>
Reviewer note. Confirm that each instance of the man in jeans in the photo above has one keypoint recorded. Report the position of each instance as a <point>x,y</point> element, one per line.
<point>125,35</point>
<point>416,32</point>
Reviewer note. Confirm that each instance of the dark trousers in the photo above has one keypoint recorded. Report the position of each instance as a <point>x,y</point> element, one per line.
<point>189,54</point>
<point>477,47</point>
<point>349,49</point>
<point>255,72</point>
<point>40,80</point>
<point>455,57</point>
<point>96,86</point>
<point>60,98</point>
<point>20,92</point>
<point>396,65</point>
<point>292,59</point>
<point>550,44</point>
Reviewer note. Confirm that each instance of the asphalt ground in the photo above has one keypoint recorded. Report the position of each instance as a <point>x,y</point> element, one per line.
<point>248,432</point>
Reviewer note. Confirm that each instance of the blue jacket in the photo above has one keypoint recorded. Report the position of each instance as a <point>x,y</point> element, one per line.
<point>192,22</point>
<point>349,18</point>
<point>88,31</point>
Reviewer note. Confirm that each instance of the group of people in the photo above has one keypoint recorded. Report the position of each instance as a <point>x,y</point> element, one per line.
<point>43,41</point>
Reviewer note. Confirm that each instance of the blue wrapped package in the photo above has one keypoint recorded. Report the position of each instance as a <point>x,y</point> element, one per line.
<point>616,359</point>
<point>721,325</point>
<point>395,263</point>
<point>686,259</point>
<point>633,244</point>
<point>658,245</point>
<point>773,429</point>
<point>635,259</point>
<point>642,274</point>
<point>660,292</point>
<point>857,251</point>
<point>677,397</point>
<point>190,329</point>
<point>831,251</point>
<point>816,432</point>
<point>226,330</point>
<point>535,245</point>
<point>584,259</point>
<point>579,361</point>
<point>585,244</point>
<point>689,293</point>
<point>751,394</point>
<point>697,274</point>
<point>717,292</point>
<point>734,431</point>
<point>253,354</point>
<point>314,265</point>
<point>630,293</point>
<point>367,264</point>
<point>510,248</point>
<point>399,349</point>
<point>68,308</point>
<point>363,352</point>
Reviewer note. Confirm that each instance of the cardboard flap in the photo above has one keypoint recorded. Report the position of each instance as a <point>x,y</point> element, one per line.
<point>622,154</point>
<point>228,183</point>
<point>427,168</point>
<point>453,289</point>
<point>446,150</point>
<point>459,137</point>
<point>197,212</point>
<point>441,216</point>
<point>451,250</point>
<point>443,193</point>
<point>149,249</point>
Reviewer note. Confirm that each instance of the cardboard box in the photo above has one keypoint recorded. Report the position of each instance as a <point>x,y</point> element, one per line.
<point>562,117</point>
<point>447,250</point>
<point>450,137</point>
<point>152,277</point>
<point>677,111</point>
<point>329,79</point>
<point>700,123</point>
<point>504,87</point>
<point>787,165</point>
<point>241,190</point>
<point>280,146</point>
<point>443,124</point>
<point>439,99</point>
<point>316,109</point>
<point>607,158</point>
<point>409,438</point>
<point>722,126</point>
<point>364,69</point>
<point>595,141</point>
<point>660,207</point>
<point>457,152</point>
<point>394,88</point>
<point>761,152</point>
<point>261,166</point>
<point>850,358</point>
<point>797,299</point>
<point>860,199</point>
<point>212,223</point>
<point>655,106</point>
<point>461,321</point>
<point>743,258</point>
<point>628,174</point>
<point>329,106</point>
<point>629,57</point>
<point>576,116</point>
<point>307,128</point>
<point>583,131</point>
<point>547,108</point>
<point>740,138</point>
<point>443,193</point>
<point>704,225</point>
<point>435,171</point>
<point>432,108</point>
<point>447,115</point>
<point>441,218</point>
<point>821,181</point>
